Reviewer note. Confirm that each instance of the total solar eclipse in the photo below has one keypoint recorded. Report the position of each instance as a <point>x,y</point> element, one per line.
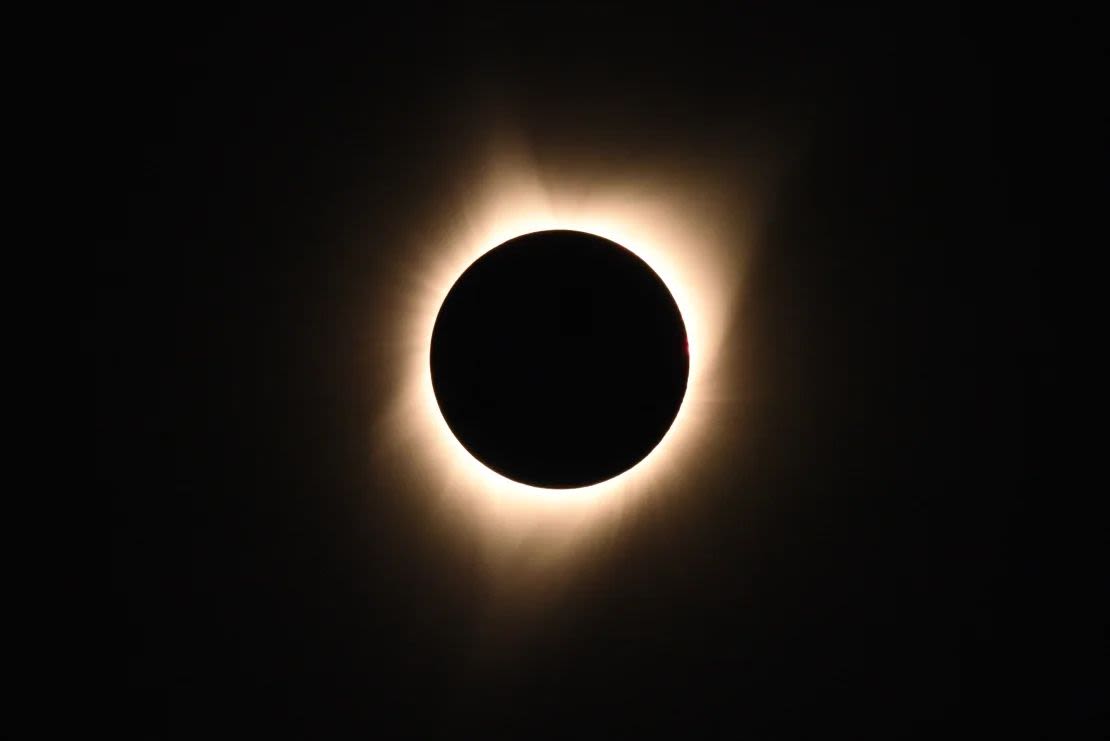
<point>559,359</point>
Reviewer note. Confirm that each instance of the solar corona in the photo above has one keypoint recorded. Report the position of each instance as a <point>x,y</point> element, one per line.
<point>556,344</point>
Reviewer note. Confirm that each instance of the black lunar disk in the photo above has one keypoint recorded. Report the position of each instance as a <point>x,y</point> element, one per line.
<point>559,359</point>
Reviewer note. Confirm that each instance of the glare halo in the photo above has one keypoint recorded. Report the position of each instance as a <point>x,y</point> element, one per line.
<point>683,228</point>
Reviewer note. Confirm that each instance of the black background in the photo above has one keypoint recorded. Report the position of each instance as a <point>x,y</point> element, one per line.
<point>892,314</point>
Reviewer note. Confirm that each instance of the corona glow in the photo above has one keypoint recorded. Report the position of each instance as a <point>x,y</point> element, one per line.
<point>689,231</point>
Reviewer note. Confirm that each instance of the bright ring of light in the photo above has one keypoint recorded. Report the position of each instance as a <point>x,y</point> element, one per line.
<point>676,231</point>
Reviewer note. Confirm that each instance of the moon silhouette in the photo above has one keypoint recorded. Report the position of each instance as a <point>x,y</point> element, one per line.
<point>559,359</point>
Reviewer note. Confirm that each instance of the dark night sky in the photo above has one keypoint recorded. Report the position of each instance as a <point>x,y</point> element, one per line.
<point>266,583</point>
